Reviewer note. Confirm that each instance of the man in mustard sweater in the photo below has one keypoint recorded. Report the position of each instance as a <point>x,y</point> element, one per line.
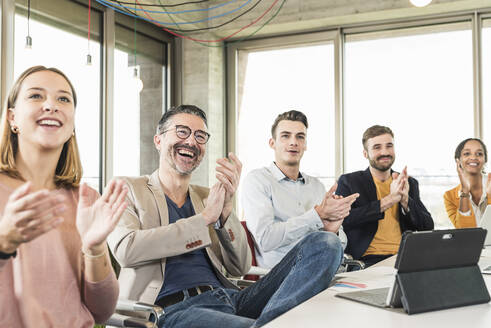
<point>388,205</point>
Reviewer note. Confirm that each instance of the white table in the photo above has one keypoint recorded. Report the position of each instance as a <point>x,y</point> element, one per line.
<point>326,310</point>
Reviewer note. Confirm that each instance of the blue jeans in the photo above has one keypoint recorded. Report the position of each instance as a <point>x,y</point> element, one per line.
<point>306,270</point>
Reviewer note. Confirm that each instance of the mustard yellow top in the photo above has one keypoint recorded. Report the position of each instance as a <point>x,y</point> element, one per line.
<point>388,235</point>
<point>452,202</point>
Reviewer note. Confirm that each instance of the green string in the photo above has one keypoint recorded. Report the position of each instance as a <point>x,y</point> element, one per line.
<point>236,41</point>
<point>250,35</point>
<point>170,16</point>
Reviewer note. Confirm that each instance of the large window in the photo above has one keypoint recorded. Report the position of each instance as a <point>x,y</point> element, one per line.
<point>416,79</point>
<point>486,83</point>
<point>419,83</point>
<point>271,82</point>
<point>116,126</point>
<point>63,44</point>
<point>136,113</point>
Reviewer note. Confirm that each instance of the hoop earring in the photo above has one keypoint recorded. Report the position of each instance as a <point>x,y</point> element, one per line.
<point>14,129</point>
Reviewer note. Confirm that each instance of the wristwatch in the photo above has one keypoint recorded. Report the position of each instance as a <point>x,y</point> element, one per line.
<point>464,194</point>
<point>6,256</point>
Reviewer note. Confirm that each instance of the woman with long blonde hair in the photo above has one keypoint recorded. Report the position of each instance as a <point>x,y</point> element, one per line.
<point>55,269</point>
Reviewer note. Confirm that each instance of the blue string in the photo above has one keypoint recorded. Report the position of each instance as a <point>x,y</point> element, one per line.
<point>132,15</point>
<point>110,5</point>
<point>174,12</point>
<point>102,2</point>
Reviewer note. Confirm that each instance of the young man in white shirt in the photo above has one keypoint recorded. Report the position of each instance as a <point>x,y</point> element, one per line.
<point>281,204</point>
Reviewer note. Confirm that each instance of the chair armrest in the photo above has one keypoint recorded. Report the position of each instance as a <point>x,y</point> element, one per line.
<point>119,320</point>
<point>254,271</point>
<point>349,264</point>
<point>258,271</point>
<point>155,310</point>
<point>355,263</point>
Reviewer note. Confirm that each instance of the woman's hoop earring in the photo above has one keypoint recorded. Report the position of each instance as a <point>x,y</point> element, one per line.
<point>14,129</point>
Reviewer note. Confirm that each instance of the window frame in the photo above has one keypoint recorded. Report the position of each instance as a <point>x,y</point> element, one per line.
<point>338,35</point>
<point>172,92</point>
<point>230,126</point>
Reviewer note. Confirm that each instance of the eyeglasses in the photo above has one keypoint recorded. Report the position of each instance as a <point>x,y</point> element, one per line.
<point>183,132</point>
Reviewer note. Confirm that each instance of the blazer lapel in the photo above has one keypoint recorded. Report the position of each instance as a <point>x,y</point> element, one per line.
<point>198,205</point>
<point>195,200</point>
<point>370,189</point>
<point>159,195</point>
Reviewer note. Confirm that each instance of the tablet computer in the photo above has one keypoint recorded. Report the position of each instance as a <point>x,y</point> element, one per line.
<point>428,264</point>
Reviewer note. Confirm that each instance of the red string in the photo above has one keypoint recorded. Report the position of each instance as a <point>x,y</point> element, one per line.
<point>218,40</point>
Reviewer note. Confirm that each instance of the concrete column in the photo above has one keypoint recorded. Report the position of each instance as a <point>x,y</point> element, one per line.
<point>203,86</point>
<point>151,108</point>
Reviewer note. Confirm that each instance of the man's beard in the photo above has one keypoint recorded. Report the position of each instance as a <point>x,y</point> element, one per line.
<point>380,167</point>
<point>172,155</point>
<point>292,163</point>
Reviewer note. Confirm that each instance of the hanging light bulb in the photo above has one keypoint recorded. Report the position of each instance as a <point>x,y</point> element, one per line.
<point>28,37</point>
<point>28,42</point>
<point>420,3</point>
<point>89,57</point>
<point>138,83</point>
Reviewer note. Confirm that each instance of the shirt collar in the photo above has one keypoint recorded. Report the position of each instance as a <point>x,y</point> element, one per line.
<point>278,175</point>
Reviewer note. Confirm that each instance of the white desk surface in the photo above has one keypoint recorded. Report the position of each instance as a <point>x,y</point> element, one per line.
<point>326,310</point>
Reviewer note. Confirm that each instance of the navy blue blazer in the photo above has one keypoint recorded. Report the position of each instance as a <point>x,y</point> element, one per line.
<point>362,223</point>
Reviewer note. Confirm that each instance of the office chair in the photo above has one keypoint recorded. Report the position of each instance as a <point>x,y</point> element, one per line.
<point>155,313</point>
<point>256,272</point>
<point>348,264</point>
<point>120,320</point>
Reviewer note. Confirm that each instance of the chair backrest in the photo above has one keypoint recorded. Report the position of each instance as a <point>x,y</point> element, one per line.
<point>250,241</point>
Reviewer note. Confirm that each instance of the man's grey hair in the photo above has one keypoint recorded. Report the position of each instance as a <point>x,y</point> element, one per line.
<point>187,109</point>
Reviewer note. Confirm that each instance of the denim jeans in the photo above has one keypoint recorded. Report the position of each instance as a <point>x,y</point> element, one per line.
<point>306,270</point>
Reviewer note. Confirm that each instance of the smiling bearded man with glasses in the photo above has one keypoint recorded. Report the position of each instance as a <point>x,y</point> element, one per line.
<point>182,151</point>
<point>175,240</point>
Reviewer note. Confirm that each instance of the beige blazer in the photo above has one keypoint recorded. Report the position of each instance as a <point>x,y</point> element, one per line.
<point>143,239</point>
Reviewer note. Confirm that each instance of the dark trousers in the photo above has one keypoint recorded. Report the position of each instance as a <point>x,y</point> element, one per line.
<point>370,260</point>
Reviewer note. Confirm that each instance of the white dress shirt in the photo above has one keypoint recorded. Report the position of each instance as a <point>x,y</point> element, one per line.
<point>279,211</point>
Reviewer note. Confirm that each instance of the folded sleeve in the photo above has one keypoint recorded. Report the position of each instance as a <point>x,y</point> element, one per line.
<point>234,248</point>
<point>458,219</point>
